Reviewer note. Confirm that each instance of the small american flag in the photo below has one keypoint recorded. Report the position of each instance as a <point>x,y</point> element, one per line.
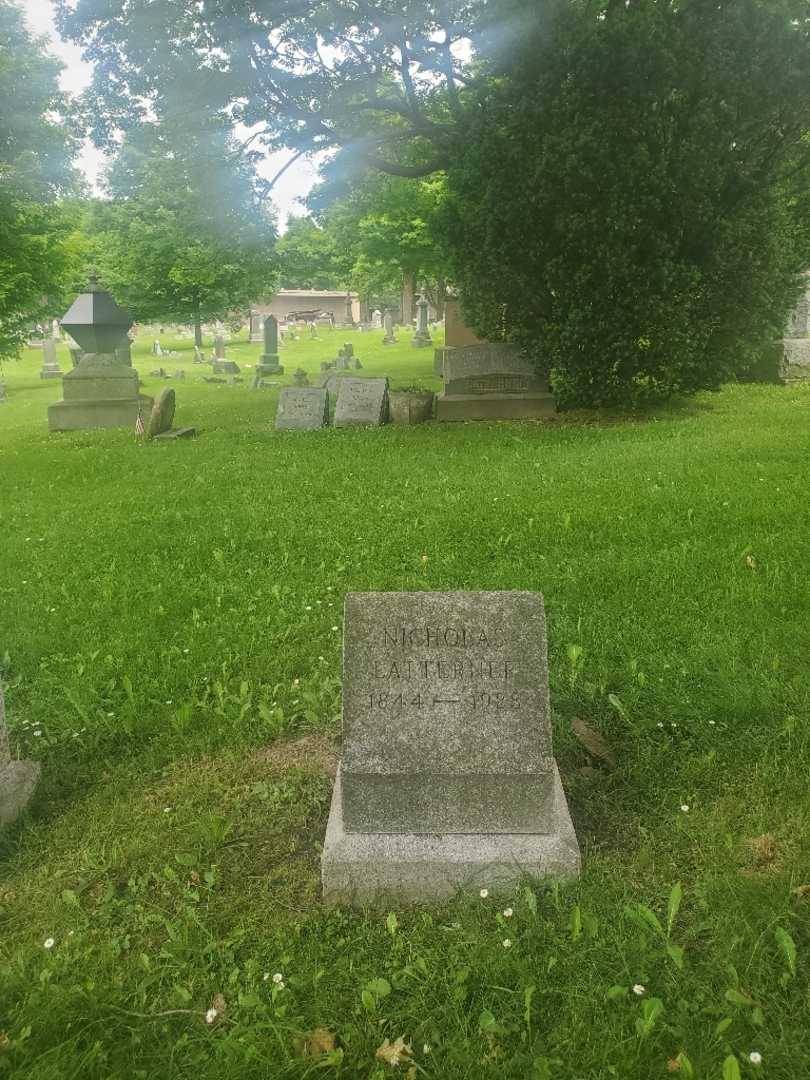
<point>139,428</point>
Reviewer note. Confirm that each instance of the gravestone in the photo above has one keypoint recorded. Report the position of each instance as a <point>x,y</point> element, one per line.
<point>161,418</point>
<point>225,367</point>
<point>123,353</point>
<point>388,323</point>
<point>447,777</point>
<point>300,377</point>
<point>50,365</point>
<point>421,338</point>
<point>376,319</point>
<point>219,346</point>
<point>361,401</point>
<point>326,365</point>
<point>302,408</point>
<point>18,779</point>
<point>256,327</point>
<point>198,355</point>
<point>268,361</point>
<point>491,382</point>
<point>180,374</point>
<point>157,348</point>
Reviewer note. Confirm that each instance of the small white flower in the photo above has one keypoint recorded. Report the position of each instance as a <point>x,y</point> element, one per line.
<point>320,658</point>
<point>639,990</point>
<point>278,979</point>
<point>507,944</point>
<point>211,1015</point>
<point>167,809</point>
<point>685,808</point>
<point>110,714</point>
<point>48,943</point>
<point>295,701</point>
<point>507,913</point>
<point>334,628</point>
<point>266,976</point>
<point>296,682</point>
<point>711,723</point>
<point>484,894</point>
<point>755,1057</point>
<point>37,732</point>
<point>308,607</point>
<point>169,701</point>
<point>280,986</point>
<point>426,1048</point>
<point>185,650</point>
<point>659,724</point>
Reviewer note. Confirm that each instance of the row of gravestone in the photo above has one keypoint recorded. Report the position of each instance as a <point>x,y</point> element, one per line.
<point>359,402</point>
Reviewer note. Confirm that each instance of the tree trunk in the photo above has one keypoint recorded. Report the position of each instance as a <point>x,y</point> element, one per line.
<point>408,297</point>
<point>197,325</point>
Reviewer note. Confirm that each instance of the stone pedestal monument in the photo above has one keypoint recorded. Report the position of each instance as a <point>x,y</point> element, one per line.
<point>421,338</point>
<point>269,360</point>
<point>50,365</point>
<point>447,778</point>
<point>100,391</point>
<point>18,779</point>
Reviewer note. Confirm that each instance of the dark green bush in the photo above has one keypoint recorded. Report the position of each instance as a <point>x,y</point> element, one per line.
<point>630,199</point>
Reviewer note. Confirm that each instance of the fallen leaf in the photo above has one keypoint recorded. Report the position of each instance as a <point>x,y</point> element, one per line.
<point>801,891</point>
<point>593,742</point>
<point>319,1041</point>
<point>673,1065</point>
<point>411,1073</point>
<point>763,848</point>
<point>750,562</point>
<point>394,1053</point>
<point>218,1003</point>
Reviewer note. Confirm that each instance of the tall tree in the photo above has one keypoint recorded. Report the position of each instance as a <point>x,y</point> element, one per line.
<point>307,256</point>
<point>37,144</point>
<point>185,235</point>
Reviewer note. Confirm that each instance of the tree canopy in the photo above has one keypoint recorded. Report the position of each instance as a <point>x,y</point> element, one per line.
<point>37,145</point>
<point>185,235</point>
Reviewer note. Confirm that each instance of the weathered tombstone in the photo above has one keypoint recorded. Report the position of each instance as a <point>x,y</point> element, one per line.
<point>219,346</point>
<point>269,361</point>
<point>180,374</point>
<point>198,355</point>
<point>349,311</point>
<point>361,401</point>
<point>256,327</point>
<point>302,408</point>
<point>100,391</point>
<point>491,382</point>
<point>18,779</point>
<point>161,418</point>
<point>300,378</point>
<point>421,338</point>
<point>376,319</point>
<point>157,348</point>
<point>410,406</point>
<point>225,367</point>
<point>326,365</point>
<point>447,778</point>
<point>50,365</point>
<point>388,323</point>
<point>357,365</point>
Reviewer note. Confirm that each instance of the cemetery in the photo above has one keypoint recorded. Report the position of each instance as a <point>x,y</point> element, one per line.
<point>403,602</point>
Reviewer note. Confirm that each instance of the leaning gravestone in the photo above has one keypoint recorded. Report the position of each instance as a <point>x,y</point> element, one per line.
<point>361,401</point>
<point>17,778</point>
<point>447,778</point>
<point>491,382</point>
<point>302,408</point>
<point>161,418</point>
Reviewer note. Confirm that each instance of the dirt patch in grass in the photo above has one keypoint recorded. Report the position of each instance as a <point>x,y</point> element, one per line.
<point>313,753</point>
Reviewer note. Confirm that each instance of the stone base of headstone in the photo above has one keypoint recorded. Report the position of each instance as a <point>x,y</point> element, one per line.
<point>421,341</point>
<point>360,867</point>
<point>389,340</point>
<point>98,393</point>
<point>18,779</point>
<point>409,407</point>
<point>494,406</point>
<point>51,373</point>
<point>176,433</point>
<point>796,365</point>
<point>269,365</point>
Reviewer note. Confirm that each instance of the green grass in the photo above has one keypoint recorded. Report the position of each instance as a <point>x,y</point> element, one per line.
<point>170,620</point>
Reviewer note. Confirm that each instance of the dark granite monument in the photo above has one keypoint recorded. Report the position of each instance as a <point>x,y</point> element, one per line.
<point>491,382</point>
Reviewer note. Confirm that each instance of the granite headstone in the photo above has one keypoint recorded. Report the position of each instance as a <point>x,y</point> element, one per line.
<point>302,408</point>
<point>361,401</point>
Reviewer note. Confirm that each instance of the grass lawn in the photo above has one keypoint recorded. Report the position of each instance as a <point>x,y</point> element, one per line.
<point>170,632</point>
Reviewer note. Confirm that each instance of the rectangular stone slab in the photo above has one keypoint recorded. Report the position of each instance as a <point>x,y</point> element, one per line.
<point>494,368</point>
<point>302,408</point>
<point>445,713</point>
<point>358,868</point>
<point>361,401</point>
